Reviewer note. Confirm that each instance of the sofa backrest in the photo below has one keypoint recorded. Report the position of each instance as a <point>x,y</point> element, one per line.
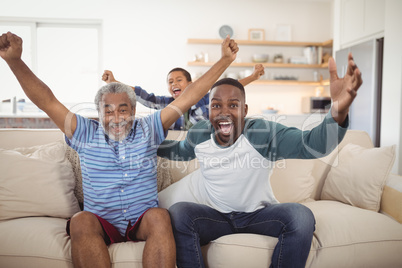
<point>11,138</point>
<point>14,138</point>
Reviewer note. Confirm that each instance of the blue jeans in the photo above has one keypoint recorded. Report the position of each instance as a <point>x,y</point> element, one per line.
<point>195,225</point>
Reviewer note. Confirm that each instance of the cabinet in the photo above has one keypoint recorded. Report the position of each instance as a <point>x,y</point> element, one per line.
<point>319,45</point>
<point>361,19</point>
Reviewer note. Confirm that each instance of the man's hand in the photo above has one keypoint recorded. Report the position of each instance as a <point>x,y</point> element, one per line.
<point>10,47</point>
<point>343,90</point>
<point>108,77</point>
<point>229,49</point>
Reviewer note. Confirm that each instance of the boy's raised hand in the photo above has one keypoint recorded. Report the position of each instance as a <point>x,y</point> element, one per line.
<point>108,77</point>
<point>258,71</point>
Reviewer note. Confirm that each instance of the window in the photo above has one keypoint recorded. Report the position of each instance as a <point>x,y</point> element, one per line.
<point>64,54</point>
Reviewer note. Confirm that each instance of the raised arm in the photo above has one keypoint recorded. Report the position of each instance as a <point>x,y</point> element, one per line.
<point>343,90</point>
<point>37,91</point>
<point>257,73</point>
<point>196,90</point>
<point>108,77</point>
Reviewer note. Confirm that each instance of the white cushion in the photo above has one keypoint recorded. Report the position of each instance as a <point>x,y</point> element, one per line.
<point>34,242</point>
<point>43,242</point>
<point>292,180</point>
<point>348,236</point>
<point>37,181</point>
<point>239,250</point>
<point>359,177</point>
<point>185,190</point>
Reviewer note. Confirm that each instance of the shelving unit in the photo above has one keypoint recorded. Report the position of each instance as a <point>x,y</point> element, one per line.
<point>265,64</point>
<point>326,44</point>
<point>291,83</point>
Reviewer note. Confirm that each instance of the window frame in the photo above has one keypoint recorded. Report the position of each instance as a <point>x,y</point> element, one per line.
<point>35,23</point>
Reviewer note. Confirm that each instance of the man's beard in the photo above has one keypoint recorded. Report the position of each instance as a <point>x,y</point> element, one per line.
<point>121,136</point>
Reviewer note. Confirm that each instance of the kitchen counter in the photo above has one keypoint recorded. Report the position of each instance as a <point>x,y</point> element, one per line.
<point>38,119</point>
<point>32,120</point>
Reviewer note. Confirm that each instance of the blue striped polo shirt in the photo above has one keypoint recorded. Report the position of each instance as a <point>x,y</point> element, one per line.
<point>119,178</point>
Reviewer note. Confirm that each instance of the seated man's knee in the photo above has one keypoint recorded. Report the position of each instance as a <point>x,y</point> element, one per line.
<point>157,219</point>
<point>181,210</point>
<point>84,223</point>
<point>302,218</point>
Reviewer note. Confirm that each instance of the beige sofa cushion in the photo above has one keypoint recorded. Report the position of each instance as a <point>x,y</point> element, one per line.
<point>341,239</point>
<point>44,243</point>
<point>35,242</point>
<point>36,181</point>
<point>359,177</point>
<point>239,250</point>
<point>292,180</point>
<point>349,236</point>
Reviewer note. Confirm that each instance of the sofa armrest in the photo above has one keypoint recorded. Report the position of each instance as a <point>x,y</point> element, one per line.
<point>391,200</point>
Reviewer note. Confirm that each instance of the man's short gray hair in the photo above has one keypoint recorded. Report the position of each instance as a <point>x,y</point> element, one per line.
<point>115,88</point>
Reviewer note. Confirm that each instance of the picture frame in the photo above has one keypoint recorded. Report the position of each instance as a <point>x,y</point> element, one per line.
<point>256,34</point>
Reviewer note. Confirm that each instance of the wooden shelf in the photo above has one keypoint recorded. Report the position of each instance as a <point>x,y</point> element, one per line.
<point>327,43</point>
<point>290,83</point>
<point>320,45</point>
<point>265,64</point>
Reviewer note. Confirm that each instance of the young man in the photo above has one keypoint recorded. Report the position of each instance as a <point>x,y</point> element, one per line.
<point>118,159</point>
<point>177,80</point>
<point>231,192</point>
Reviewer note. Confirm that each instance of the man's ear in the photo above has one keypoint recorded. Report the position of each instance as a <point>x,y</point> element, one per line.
<point>245,110</point>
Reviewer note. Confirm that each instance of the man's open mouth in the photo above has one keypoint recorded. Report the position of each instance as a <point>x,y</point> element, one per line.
<point>225,127</point>
<point>119,128</point>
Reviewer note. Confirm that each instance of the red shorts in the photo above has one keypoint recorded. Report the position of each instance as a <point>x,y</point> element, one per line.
<point>112,234</point>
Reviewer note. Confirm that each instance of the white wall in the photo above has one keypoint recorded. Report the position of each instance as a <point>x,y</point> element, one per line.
<point>391,117</point>
<point>143,40</point>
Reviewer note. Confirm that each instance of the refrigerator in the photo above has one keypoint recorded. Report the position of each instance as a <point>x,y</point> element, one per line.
<point>365,111</point>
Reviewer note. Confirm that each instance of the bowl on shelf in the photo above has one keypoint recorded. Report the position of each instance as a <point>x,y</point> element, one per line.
<point>259,58</point>
<point>269,111</point>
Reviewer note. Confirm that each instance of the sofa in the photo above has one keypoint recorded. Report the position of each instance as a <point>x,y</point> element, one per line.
<point>356,201</point>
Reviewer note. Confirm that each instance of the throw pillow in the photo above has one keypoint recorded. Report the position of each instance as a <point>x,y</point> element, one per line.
<point>36,181</point>
<point>359,177</point>
<point>292,180</point>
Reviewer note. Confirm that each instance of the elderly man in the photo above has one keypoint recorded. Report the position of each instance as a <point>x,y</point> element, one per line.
<point>118,157</point>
